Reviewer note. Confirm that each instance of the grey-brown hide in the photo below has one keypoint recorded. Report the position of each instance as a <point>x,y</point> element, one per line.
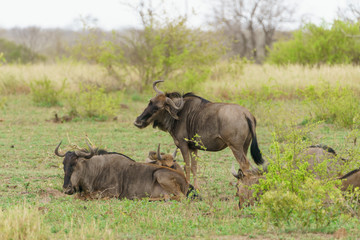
<point>164,159</point>
<point>319,154</point>
<point>351,180</point>
<point>219,125</point>
<point>116,175</point>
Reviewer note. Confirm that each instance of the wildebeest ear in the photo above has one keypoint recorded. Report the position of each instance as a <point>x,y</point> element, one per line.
<point>148,160</point>
<point>173,112</point>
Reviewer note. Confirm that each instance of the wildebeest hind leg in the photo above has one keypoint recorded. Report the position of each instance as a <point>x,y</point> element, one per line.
<point>169,185</point>
<point>241,158</point>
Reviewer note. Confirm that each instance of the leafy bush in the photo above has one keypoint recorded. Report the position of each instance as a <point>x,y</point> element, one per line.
<point>92,102</point>
<point>292,194</point>
<point>324,44</point>
<point>339,105</point>
<point>44,93</point>
<point>14,53</point>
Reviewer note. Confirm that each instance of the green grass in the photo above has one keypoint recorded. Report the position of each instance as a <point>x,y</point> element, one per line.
<point>31,179</point>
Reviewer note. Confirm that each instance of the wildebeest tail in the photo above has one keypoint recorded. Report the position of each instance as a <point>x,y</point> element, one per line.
<point>254,148</point>
<point>192,193</point>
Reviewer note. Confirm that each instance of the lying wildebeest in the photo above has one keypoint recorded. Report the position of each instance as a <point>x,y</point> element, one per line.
<point>165,160</point>
<point>197,124</point>
<point>111,174</point>
<point>317,154</point>
<point>351,180</point>
<point>314,154</point>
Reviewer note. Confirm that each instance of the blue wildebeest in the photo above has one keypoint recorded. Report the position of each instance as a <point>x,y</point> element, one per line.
<point>198,124</point>
<point>165,160</point>
<point>111,174</point>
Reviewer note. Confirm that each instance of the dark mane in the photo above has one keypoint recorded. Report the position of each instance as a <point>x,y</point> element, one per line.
<point>323,146</point>
<point>190,94</point>
<point>104,152</point>
<point>350,173</point>
<point>173,95</point>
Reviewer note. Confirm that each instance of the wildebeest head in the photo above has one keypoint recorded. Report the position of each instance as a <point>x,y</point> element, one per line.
<point>162,159</point>
<point>158,105</point>
<point>71,159</point>
<point>244,189</point>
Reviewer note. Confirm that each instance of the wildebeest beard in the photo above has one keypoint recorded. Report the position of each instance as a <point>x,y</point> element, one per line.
<point>164,122</point>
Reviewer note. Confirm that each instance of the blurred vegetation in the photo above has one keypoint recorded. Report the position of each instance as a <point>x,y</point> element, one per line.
<point>336,43</point>
<point>92,102</point>
<point>44,93</point>
<point>171,51</point>
<point>334,104</point>
<point>14,53</point>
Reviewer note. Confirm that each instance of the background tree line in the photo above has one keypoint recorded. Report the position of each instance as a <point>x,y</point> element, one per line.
<point>166,47</point>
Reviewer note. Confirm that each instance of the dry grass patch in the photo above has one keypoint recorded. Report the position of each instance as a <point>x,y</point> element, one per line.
<point>22,222</point>
<point>281,79</point>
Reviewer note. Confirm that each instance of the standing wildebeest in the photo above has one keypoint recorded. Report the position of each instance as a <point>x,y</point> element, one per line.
<point>116,175</point>
<point>197,124</point>
<point>165,160</point>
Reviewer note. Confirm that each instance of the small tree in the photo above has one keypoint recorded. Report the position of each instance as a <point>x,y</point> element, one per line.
<point>94,46</point>
<point>168,49</point>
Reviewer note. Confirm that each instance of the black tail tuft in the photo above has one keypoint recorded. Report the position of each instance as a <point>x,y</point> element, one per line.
<point>193,194</point>
<point>254,148</point>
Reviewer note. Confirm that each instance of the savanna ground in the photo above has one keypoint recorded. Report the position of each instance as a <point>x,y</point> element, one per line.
<point>283,99</point>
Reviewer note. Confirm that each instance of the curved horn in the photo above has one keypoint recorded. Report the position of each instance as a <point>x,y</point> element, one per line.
<point>84,154</point>
<point>57,151</point>
<point>158,153</point>
<point>234,173</point>
<point>171,102</point>
<point>174,154</point>
<point>155,88</point>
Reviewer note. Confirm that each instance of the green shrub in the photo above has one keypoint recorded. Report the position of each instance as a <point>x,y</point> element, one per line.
<point>92,102</point>
<point>324,44</point>
<point>44,92</point>
<point>293,195</point>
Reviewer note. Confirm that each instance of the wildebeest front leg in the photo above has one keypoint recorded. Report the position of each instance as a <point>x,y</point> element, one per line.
<point>193,155</point>
<point>185,153</point>
<point>241,158</point>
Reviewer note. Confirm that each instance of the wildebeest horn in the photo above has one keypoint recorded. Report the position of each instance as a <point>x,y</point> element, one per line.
<point>57,151</point>
<point>85,154</point>
<point>158,153</point>
<point>174,154</point>
<point>234,173</point>
<point>155,88</point>
<point>171,102</point>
